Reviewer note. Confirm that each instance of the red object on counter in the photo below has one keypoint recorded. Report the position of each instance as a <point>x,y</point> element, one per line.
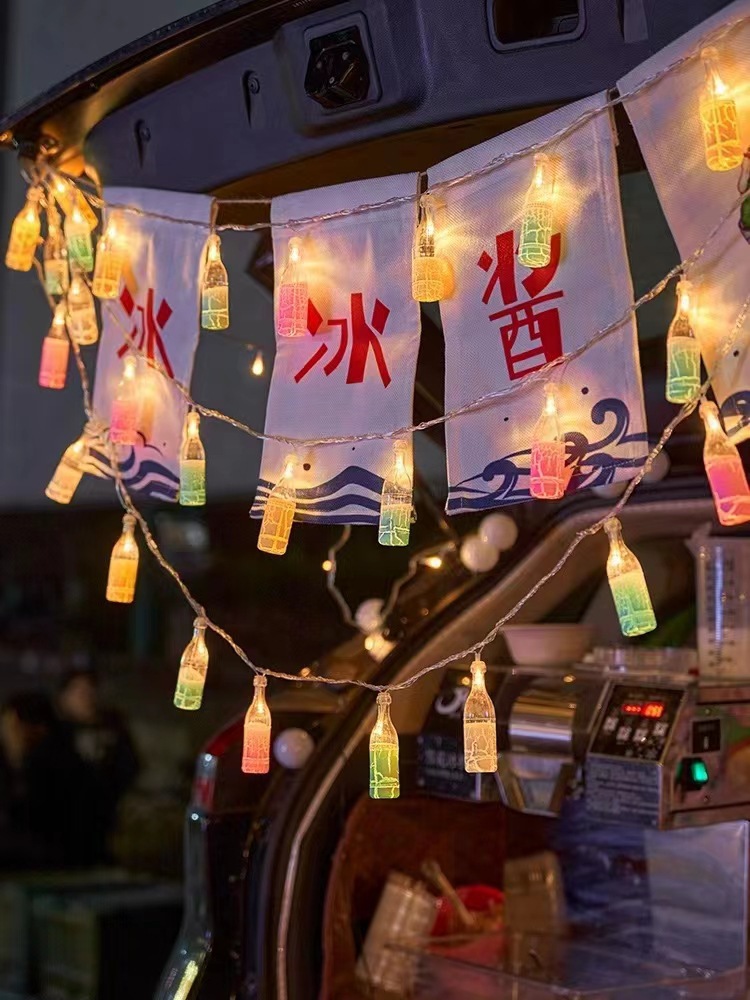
<point>476,899</point>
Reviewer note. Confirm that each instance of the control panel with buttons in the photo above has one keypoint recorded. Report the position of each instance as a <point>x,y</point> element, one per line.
<point>637,722</point>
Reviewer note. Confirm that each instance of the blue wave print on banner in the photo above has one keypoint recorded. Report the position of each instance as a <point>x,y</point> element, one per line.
<point>145,475</point>
<point>737,408</point>
<point>350,497</point>
<point>592,463</point>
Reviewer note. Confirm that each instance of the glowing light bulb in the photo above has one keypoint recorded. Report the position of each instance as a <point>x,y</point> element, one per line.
<point>279,512</point>
<point>683,352</point>
<point>396,500</point>
<point>78,239</point>
<point>718,115</point>
<point>24,234</point>
<point>69,471</point>
<point>292,303</point>
<point>429,274</point>
<point>123,424</point>
<point>111,254</point>
<point>433,562</point>
<point>724,470</point>
<point>326,565</point>
<point>547,480</point>
<point>81,311</point>
<point>534,248</point>
<point>192,463</point>
<point>193,667</point>
<point>628,584</point>
<point>55,255</point>
<point>256,744</point>
<point>53,368</point>
<point>214,288</point>
<point>480,731</point>
<point>123,566</point>
<point>384,781</point>
<point>68,197</point>
<point>257,367</point>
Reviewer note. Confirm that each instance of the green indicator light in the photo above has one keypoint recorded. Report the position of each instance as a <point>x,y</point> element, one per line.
<point>698,771</point>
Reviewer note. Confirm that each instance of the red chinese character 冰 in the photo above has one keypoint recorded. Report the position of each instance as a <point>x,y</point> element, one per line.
<point>530,329</point>
<point>363,340</point>
<point>147,328</point>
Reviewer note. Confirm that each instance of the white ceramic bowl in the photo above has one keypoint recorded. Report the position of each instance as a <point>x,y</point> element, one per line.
<point>548,645</point>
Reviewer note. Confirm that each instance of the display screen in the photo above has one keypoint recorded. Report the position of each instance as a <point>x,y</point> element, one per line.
<point>648,709</point>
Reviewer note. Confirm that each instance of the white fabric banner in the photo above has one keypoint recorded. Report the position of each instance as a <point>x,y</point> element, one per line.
<point>505,321</point>
<point>351,371</point>
<point>159,308</point>
<point>667,123</point>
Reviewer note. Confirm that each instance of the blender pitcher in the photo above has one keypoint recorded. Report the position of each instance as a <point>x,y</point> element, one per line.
<point>722,584</point>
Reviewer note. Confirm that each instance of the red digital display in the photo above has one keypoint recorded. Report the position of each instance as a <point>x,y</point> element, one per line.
<point>648,709</point>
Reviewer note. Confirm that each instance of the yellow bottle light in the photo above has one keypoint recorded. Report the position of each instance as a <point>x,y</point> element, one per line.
<point>718,115</point>
<point>384,780</point>
<point>724,470</point>
<point>82,323</point>
<point>123,566</point>
<point>214,288</point>
<point>256,743</point>
<point>628,584</point>
<point>480,730</point>
<point>396,500</point>
<point>123,424</point>
<point>24,234</point>
<point>292,303</point>
<point>535,244</point>
<point>55,254</point>
<point>192,463</point>
<point>53,368</point>
<point>429,273</point>
<point>78,239</point>
<point>547,479</point>
<point>68,197</point>
<point>279,512</point>
<point>258,367</point>
<point>69,471</point>
<point>191,679</point>
<point>111,255</point>
<point>683,352</point>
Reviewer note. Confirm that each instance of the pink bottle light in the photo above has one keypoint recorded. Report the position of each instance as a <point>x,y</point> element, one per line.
<point>548,477</point>
<point>53,368</point>
<point>724,470</point>
<point>123,424</point>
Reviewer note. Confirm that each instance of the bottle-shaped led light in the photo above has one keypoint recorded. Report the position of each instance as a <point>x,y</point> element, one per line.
<point>24,234</point>
<point>55,254</point>
<point>82,323</point>
<point>69,471</point>
<point>256,743</point>
<point>396,500</point>
<point>257,367</point>
<point>111,254</point>
<point>192,463</point>
<point>547,479</point>
<point>78,240</point>
<point>123,566</point>
<point>534,247</point>
<point>480,731</point>
<point>123,424</point>
<point>68,197</point>
<point>214,288</point>
<point>683,351</point>
<point>292,303</point>
<point>278,515</point>
<point>193,667</point>
<point>724,470</point>
<point>53,368</point>
<point>718,114</point>
<point>429,273</point>
<point>628,584</point>
<point>384,781</point>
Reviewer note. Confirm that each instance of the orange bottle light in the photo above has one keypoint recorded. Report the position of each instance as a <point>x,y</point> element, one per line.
<point>256,744</point>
